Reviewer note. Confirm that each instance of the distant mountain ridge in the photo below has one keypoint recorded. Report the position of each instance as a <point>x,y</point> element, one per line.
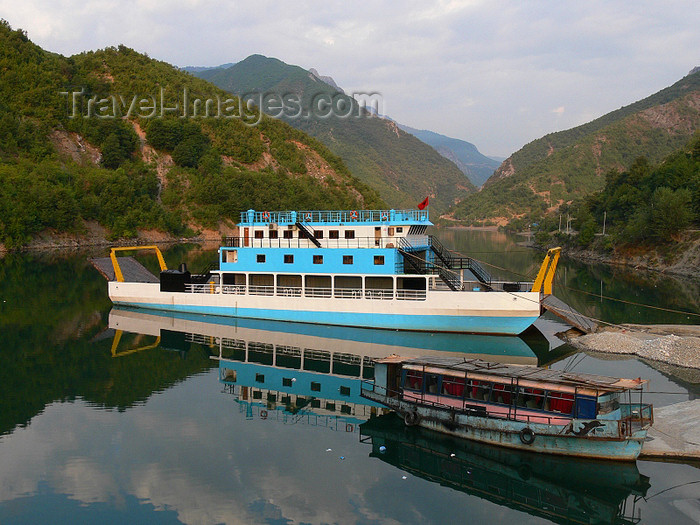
<point>403,169</point>
<point>465,155</point>
<point>565,165</point>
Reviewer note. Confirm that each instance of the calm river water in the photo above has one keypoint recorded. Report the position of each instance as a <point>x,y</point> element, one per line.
<point>126,417</point>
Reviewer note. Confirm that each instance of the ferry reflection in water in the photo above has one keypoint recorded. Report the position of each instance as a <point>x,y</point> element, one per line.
<point>560,489</point>
<point>301,373</point>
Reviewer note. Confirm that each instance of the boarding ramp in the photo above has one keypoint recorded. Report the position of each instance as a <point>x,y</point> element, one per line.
<point>132,270</point>
<point>565,312</point>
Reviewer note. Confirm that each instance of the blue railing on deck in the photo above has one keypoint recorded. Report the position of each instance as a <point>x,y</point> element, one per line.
<point>333,216</point>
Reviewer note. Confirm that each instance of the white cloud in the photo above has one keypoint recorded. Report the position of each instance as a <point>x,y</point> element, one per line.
<point>463,68</point>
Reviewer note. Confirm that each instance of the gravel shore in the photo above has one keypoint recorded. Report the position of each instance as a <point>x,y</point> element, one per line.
<point>676,350</point>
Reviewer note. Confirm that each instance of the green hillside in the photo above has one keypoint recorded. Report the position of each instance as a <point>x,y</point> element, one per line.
<point>477,167</point>
<point>109,150</point>
<point>400,167</point>
<point>563,166</point>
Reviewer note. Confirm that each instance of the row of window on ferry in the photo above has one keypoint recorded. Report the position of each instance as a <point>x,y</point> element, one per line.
<point>318,259</point>
<point>318,234</point>
<point>493,393</point>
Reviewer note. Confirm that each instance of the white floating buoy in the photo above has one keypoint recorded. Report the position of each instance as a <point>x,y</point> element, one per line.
<point>403,477</point>
<point>382,449</point>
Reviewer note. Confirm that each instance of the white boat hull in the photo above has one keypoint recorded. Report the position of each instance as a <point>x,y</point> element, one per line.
<point>440,311</point>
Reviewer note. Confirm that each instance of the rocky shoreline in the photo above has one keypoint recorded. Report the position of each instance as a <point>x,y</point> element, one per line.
<point>677,345</point>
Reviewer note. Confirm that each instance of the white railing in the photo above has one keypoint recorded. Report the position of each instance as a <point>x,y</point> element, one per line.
<point>379,294</point>
<point>411,295</point>
<point>348,293</point>
<point>261,290</point>
<point>296,291</point>
<point>318,292</point>
<point>201,288</point>
<point>289,291</point>
<point>238,289</point>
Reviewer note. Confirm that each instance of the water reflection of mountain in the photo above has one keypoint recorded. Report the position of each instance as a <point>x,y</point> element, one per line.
<point>563,490</point>
<point>305,374</point>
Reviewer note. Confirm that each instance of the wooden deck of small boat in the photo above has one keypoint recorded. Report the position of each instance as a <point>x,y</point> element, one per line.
<point>568,314</point>
<point>675,433</point>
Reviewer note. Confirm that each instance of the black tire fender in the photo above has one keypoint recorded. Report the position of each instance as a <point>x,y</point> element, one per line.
<point>411,418</point>
<point>527,436</point>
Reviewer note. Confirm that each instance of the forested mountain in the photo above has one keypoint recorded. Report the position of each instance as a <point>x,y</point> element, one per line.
<point>566,165</point>
<point>402,168</point>
<point>477,167</point>
<point>132,143</point>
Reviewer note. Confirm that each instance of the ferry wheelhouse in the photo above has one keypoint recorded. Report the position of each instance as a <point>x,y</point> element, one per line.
<point>516,406</point>
<point>365,268</point>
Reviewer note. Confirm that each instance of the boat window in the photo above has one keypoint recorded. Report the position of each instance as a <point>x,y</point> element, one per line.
<point>259,234</point>
<point>413,380</point>
<point>287,381</point>
<point>347,259</point>
<point>349,234</point>
<point>344,390</point>
<point>478,390</point>
<point>330,406</point>
<point>453,386</point>
<point>231,256</point>
<point>502,394</point>
<point>334,234</point>
<point>318,234</point>
<point>260,258</point>
<point>318,259</point>
<point>288,234</point>
<point>585,407</point>
<point>608,403</point>
<point>560,402</point>
<point>531,398</point>
<point>378,259</point>
<point>288,258</point>
<point>399,229</point>
<point>432,383</point>
<point>259,378</point>
<point>315,387</point>
<point>274,234</point>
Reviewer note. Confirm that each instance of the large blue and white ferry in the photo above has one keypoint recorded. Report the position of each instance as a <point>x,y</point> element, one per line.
<point>363,268</point>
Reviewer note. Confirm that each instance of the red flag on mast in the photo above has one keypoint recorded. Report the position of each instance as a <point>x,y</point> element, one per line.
<point>423,204</point>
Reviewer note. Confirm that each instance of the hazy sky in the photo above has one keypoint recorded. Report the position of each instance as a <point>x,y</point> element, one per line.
<point>498,74</point>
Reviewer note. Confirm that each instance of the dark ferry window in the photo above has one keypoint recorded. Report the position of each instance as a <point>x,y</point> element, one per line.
<point>413,380</point>
<point>399,229</point>
<point>347,259</point>
<point>288,234</point>
<point>315,403</point>
<point>330,406</point>
<point>259,234</point>
<point>378,259</point>
<point>478,390</point>
<point>501,394</point>
<point>259,378</point>
<point>257,394</point>
<point>274,234</point>
<point>288,258</point>
<point>432,384</point>
<point>287,381</point>
<point>260,257</point>
<point>318,234</point>
<point>344,390</point>
<point>562,402</point>
<point>349,234</point>
<point>318,259</point>
<point>334,234</point>
<point>315,387</point>
<point>453,386</point>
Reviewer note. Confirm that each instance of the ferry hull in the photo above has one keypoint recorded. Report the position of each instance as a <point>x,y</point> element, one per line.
<point>468,312</point>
